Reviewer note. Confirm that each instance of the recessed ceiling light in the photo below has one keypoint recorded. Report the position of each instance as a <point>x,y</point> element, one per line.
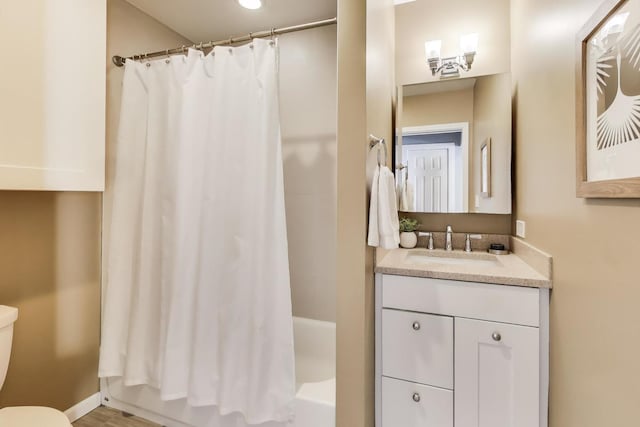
<point>251,4</point>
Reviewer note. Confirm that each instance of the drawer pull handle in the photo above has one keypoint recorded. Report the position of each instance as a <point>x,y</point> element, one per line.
<point>416,397</point>
<point>416,326</point>
<point>496,336</point>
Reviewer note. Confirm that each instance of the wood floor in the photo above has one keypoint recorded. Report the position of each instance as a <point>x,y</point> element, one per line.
<point>107,417</point>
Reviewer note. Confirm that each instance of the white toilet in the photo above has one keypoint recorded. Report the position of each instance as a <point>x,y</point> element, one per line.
<point>21,416</point>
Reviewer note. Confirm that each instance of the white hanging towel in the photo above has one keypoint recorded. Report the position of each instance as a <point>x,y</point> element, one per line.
<point>406,194</point>
<point>383,210</point>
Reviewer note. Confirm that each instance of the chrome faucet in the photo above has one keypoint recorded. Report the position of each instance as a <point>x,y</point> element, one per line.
<point>448,245</point>
<point>467,241</point>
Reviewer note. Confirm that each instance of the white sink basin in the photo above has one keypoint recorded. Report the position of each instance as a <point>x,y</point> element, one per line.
<point>452,258</point>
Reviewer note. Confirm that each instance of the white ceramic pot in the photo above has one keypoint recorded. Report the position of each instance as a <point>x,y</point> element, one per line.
<point>408,239</point>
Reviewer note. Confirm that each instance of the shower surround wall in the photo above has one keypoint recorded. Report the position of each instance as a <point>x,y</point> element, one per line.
<point>308,122</point>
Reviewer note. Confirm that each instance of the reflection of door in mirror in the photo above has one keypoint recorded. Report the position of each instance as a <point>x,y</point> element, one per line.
<point>427,169</point>
<point>434,156</point>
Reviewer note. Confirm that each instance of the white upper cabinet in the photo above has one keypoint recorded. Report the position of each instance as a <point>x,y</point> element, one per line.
<point>52,95</point>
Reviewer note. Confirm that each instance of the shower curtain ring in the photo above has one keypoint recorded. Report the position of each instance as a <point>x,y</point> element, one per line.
<point>273,33</point>
<point>183,49</point>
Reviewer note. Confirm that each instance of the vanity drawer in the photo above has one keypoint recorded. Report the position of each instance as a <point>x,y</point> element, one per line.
<point>406,404</point>
<point>417,347</point>
<point>498,303</point>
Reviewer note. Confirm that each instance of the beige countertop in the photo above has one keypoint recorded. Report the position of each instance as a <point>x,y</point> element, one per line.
<point>483,267</point>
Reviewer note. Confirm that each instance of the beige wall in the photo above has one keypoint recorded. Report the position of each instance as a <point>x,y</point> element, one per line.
<point>595,332</point>
<point>380,122</point>
<point>492,119</point>
<point>308,122</point>
<point>438,108</point>
<point>50,270</point>
<point>365,87</point>
<point>422,20</point>
<point>352,321</point>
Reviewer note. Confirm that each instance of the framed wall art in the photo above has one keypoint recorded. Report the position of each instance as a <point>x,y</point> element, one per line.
<point>608,102</point>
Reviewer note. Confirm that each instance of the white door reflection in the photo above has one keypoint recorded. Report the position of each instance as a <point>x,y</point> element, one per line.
<point>434,177</point>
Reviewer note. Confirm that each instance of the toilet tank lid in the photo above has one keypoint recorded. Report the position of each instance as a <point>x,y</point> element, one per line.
<point>8,315</point>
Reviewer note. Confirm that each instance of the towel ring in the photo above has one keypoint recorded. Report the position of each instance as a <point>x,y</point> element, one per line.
<point>374,141</point>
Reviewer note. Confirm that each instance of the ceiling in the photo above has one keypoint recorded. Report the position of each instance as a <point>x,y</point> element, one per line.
<point>206,20</point>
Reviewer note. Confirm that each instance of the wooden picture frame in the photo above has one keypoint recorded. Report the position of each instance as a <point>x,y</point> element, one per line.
<point>608,41</point>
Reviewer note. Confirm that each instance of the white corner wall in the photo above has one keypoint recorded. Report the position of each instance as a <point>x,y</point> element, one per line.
<point>308,121</point>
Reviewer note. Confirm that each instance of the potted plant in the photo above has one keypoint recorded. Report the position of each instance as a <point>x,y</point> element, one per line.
<point>408,237</point>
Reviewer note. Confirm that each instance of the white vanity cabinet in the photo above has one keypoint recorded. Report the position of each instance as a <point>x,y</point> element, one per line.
<point>52,95</point>
<point>497,369</point>
<point>460,354</point>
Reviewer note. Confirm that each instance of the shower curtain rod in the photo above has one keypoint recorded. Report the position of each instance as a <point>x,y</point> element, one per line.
<point>119,60</point>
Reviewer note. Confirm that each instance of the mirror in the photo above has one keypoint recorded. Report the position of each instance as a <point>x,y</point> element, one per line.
<point>453,145</point>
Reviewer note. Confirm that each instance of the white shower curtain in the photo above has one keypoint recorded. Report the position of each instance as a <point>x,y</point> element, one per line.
<point>197,299</point>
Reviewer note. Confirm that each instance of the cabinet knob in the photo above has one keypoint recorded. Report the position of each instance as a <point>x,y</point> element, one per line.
<point>416,326</point>
<point>416,397</point>
<point>496,336</point>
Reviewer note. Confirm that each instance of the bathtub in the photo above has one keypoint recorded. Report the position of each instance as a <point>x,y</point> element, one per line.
<point>315,347</point>
<point>315,403</point>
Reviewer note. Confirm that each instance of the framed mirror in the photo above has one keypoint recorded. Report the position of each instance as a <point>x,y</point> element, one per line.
<point>453,145</point>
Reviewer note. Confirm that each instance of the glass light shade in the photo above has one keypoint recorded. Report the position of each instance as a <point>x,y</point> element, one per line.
<point>251,4</point>
<point>469,43</point>
<point>432,48</point>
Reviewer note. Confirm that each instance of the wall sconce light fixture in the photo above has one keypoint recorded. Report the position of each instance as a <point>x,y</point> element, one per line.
<point>450,66</point>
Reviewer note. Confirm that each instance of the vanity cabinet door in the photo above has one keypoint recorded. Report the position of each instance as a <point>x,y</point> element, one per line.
<point>497,374</point>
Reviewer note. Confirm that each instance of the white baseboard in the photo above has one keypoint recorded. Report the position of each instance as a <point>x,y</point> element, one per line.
<point>81,409</point>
